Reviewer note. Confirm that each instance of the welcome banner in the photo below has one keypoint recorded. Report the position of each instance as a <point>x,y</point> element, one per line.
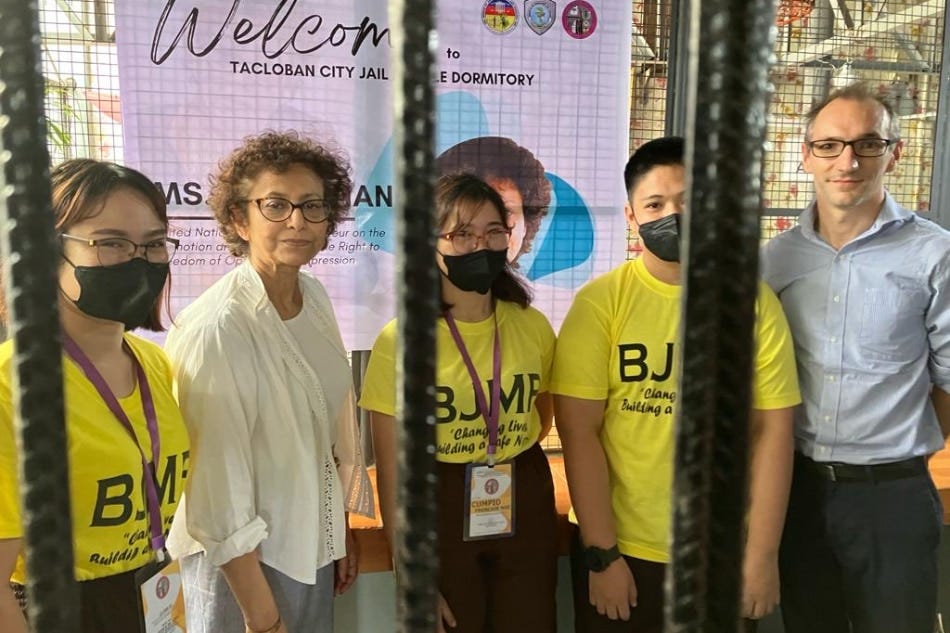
<point>546,80</point>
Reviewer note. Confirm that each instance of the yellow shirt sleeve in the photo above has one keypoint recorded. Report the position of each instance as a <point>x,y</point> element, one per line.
<point>379,382</point>
<point>547,346</point>
<point>582,353</point>
<point>776,376</point>
<point>10,522</point>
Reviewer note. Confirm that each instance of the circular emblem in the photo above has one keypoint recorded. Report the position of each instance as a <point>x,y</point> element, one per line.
<point>161,587</point>
<point>491,486</point>
<point>500,16</point>
<point>579,19</point>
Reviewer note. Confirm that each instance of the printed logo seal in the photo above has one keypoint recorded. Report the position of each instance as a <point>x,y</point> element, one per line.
<point>162,587</point>
<point>540,15</point>
<point>579,19</point>
<point>500,16</point>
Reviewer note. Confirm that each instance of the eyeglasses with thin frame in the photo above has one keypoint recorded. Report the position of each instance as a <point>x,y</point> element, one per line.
<point>118,250</point>
<point>466,241</point>
<point>275,209</point>
<point>863,147</point>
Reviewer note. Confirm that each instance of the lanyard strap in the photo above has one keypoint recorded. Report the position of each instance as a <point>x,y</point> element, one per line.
<point>490,413</point>
<point>151,421</point>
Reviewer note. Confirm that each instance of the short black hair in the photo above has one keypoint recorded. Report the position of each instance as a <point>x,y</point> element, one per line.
<point>667,150</point>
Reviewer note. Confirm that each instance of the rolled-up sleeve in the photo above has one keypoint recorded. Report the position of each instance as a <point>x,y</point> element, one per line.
<point>351,468</point>
<point>220,410</point>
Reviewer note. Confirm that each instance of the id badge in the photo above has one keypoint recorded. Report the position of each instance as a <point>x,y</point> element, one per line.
<point>161,600</point>
<point>489,501</point>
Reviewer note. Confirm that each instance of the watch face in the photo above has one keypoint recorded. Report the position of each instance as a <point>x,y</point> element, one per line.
<point>596,559</point>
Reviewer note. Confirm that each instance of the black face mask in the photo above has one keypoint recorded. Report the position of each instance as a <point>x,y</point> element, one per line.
<point>662,237</point>
<point>475,271</point>
<point>124,292</point>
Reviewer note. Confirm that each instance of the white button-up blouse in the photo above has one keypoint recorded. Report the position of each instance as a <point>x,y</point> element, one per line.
<point>270,469</point>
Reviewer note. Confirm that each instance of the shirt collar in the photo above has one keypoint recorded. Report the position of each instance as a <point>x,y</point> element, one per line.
<point>891,213</point>
<point>646,277</point>
<point>316,302</point>
<point>253,286</point>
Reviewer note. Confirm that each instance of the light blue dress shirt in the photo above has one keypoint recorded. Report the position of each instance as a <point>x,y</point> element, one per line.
<point>871,324</point>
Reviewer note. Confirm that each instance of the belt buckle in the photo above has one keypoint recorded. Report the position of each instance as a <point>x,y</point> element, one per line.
<point>830,472</point>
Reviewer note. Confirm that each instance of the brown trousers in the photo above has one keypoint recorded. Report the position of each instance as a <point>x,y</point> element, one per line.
<point>106,605</point>
<point>110,604</point>
<point>503,585</point>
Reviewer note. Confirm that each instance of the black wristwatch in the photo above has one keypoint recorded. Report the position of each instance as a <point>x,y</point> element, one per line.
<point>598,559</point>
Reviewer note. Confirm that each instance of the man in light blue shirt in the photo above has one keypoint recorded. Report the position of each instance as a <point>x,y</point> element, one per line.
<point>865,285</point>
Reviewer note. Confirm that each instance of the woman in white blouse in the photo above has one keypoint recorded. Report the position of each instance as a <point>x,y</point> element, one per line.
<point>265,388</point>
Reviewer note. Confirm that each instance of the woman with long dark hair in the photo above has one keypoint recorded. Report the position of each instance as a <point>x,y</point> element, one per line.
<point>497,519</point>
<point>126,441</point>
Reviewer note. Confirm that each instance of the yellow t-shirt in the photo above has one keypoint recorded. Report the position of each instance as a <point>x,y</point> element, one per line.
<point>618,343</point>
<point>527,353</point>
<point>109,516</point>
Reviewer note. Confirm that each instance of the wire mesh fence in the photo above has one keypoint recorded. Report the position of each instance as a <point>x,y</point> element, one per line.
<point>82,79</point>
<point>895,45</point>
<point>892,45</point>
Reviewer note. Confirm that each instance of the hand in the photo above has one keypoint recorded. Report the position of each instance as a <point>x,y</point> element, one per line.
<point>760,585</point>
<point>613,591</point>
<point>347,567</point>
<point>444,616</point>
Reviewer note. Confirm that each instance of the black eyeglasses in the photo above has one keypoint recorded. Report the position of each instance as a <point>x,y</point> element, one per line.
<point>864,147</point>
<point>118,250</point>
<point>314,210</point>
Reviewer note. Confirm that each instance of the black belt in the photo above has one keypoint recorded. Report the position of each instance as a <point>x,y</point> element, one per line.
<point>836,471</point>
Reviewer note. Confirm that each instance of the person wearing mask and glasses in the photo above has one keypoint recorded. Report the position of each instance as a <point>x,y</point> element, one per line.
<point>266,390</point>
<point>515,173</point>
<point>497,519</point>
<point>127,443</point>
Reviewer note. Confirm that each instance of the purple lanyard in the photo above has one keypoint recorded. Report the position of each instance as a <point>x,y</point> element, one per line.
<point>491,414</point>
<point>151,420</point>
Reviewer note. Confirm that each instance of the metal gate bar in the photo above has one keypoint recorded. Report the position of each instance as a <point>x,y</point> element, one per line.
<point>417,564</point>
<point>29,275</point>
<point>731,44</point>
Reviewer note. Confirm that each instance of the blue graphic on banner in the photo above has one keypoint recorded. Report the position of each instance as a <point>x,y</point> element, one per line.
<point>569,240</point>
<point>566,236</point>
<point>459,117</point>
